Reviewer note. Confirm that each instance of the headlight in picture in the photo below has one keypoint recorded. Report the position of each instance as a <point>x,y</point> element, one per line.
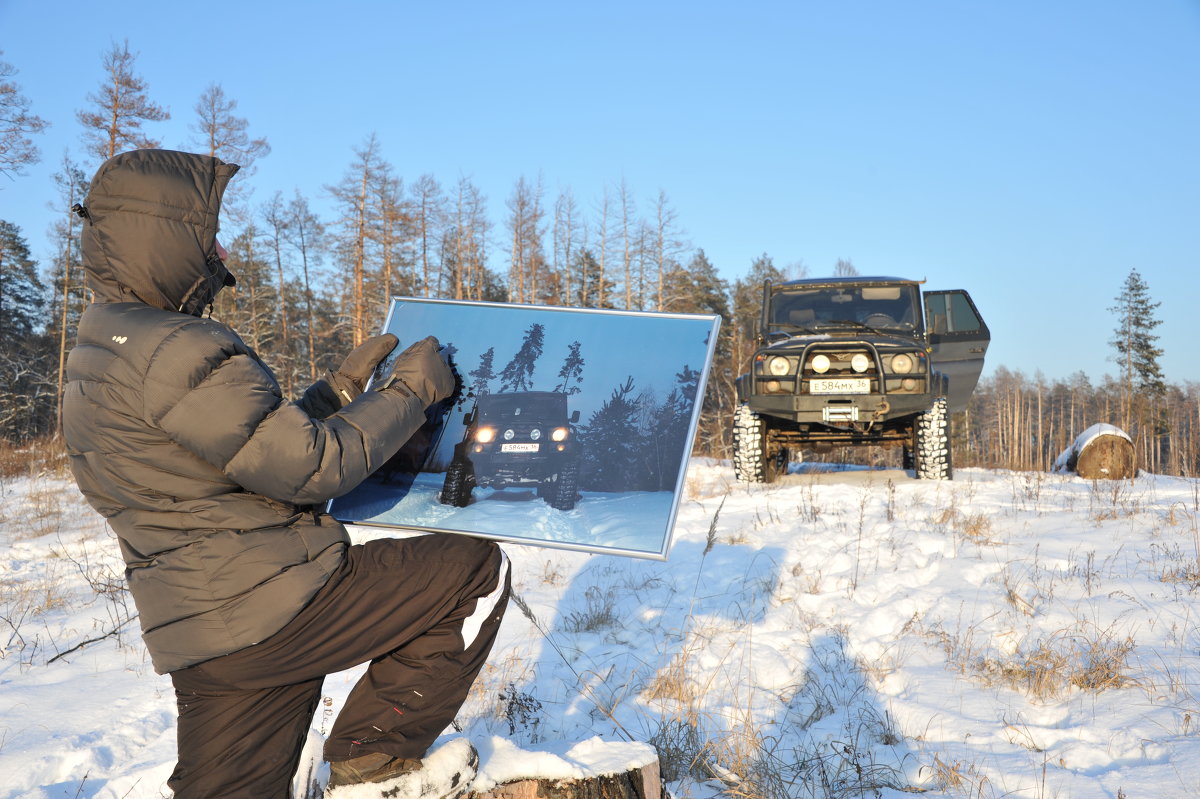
<point>820,364</point>
<point>779,366</point>
<point>535,434</point>
<point>860,363</point>
<point>902,364</point>
<point>509,433</point>
<point>559,434</point>
<point>485,435</point>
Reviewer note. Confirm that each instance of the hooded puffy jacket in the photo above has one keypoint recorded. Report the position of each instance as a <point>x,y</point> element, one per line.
<point>180,436</point>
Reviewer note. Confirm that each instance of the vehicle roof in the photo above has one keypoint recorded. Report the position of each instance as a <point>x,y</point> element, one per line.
<point>856,280</point>
<point>521,395</point>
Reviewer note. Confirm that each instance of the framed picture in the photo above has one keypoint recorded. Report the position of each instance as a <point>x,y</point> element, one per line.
<point>570,428</point>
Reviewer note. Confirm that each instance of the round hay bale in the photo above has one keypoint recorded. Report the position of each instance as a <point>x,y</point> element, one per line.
<point>1107,458</point>
<point>1102,452</point>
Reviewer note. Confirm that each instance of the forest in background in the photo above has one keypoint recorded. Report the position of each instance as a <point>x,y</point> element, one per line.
<point>312,286</point>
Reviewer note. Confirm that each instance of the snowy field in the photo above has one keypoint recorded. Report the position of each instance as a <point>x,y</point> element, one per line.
<point>844,633</point>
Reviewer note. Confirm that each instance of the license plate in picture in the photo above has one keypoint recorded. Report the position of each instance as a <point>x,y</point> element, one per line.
<point>847,386</point>
<point>519,447</point>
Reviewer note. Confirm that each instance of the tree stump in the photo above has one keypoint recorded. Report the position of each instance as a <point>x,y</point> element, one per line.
<point>638,783</point>
<point>1102,452</point>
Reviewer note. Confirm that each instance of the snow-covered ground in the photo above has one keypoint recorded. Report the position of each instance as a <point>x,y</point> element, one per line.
<point>842,633</point>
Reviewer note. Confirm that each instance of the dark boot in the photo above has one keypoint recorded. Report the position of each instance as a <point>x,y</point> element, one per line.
<point>444,773</point>
<point>372,767</point>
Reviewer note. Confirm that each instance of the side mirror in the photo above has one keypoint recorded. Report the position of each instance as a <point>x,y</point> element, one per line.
<point>574,417</point>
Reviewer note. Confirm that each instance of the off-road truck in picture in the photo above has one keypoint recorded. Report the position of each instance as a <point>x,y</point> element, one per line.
<point>857,361</point>
<point>522,439</point>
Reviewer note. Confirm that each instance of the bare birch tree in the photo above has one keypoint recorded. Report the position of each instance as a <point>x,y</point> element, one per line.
<point>625,199</point>
<point>601,282</point>
<point>356,195</point>
<point>468,234</point>
<point>275,216</point>
<point>527,258</point>
<point>219,132</point>
<point>429,220</point>
<point>17,126</point>
<point>71,297</point>
<point>567,239</point>
<point>305,233</point>
<point>394,236</point>
<point>665,244</point>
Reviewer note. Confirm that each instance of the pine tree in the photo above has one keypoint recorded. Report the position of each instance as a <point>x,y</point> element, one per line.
<point>17,125</point>
<point>595,289</point>
<point>612,443</point>
<point>27,388</point>
<point>571,371</point>
<point>21,289</point>
<point>1137,355</point>
<point>517,375</point>
<point>121,107</point>
<point>484,373</point>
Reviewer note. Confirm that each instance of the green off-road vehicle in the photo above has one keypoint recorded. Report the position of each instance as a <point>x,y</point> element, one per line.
<point>522,439</point>
<point>857,361</point>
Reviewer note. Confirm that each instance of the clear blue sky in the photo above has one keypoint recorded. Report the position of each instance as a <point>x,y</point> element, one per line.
<point>1031,152</point>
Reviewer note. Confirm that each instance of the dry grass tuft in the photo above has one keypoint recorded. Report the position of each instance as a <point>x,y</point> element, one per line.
<point>47,455</point>
<point>1052,666</point>
<point>958,777</point>
<point>976,527</point>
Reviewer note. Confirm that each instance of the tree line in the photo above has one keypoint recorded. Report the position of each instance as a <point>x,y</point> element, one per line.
<point>312,286</point>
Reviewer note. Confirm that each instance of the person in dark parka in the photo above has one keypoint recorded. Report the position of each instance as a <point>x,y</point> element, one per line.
<point>213,482</point>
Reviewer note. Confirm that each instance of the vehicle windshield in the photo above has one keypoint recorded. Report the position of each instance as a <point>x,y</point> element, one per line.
<point>533,405</point>
<point>823,307</point>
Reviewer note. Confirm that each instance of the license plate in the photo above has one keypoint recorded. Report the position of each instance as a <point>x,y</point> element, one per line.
<point>519,447</point>
<point>848,386</point>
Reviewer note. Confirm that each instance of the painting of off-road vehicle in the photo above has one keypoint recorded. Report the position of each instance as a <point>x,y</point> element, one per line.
<point>569,428</point>
<point>521,439</point>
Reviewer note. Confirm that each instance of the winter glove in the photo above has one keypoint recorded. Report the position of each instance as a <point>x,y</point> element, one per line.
<point>421,371</point>
<point>349,380</point>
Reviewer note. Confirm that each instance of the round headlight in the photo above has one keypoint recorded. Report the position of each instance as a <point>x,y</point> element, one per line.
<point>820,364</point>
<point>779,365</point>
<point>902,364</point>
<point>559,434</point>
<point>535,434</point>
<point>508,434</point>
<point>485,435</point>
<point>860,363</point>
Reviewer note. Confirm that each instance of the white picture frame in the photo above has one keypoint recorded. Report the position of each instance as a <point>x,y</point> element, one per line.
<point>600,408</point>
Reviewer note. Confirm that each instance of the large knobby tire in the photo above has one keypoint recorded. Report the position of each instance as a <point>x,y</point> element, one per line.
<point>931,443</point>
<point>562,493</point>
<point>460,479</point>
<point>752,461</point>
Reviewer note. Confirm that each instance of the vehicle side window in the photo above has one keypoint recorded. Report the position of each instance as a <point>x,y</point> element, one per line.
<point>951,313</point>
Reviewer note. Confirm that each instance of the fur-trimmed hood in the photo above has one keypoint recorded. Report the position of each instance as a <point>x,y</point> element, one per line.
<point>150,230</point>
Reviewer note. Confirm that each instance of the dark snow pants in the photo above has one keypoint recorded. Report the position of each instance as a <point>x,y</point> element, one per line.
<point>424,611</point>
